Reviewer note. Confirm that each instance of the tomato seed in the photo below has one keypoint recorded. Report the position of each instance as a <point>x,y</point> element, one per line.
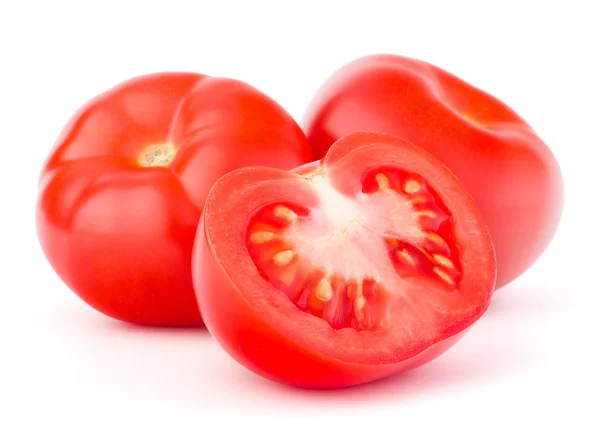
<point>411,186</point>
<point>435,238</point>
<point>285,213</point>
<point>382,181</point>
<point>443,275</point>
<point>283,258</point>
<point>324,291</point>
<point>444,261</point>
<point>427,213</point>
<point>262,237</point>
<point>405,255</point>
<point>288,275</point>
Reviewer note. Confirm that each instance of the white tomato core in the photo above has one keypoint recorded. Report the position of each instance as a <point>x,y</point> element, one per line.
<point>345,235</point>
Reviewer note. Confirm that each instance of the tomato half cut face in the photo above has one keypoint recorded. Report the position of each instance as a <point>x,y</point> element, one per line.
<point>369,264</point>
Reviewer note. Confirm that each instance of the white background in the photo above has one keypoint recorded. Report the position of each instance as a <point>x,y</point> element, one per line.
<point>532,359</point>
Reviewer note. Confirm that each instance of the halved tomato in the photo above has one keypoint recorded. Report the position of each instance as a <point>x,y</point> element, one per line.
<point>373,263</point>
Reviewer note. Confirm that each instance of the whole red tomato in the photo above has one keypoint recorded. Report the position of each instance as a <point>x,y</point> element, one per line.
<point>510,172</point>
<point>122,191</point>
<point>372,262</point>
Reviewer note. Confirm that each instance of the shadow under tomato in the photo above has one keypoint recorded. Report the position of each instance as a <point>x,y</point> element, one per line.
<point>521,300</point>
<point>186,366</point>
<point>84,317</point>
<point>502,345</point>
<point>124,327</point>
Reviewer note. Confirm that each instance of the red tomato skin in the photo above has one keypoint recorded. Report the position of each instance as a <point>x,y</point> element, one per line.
<point>258,346</point>
<point>121,235</point>
<point>510,172</point>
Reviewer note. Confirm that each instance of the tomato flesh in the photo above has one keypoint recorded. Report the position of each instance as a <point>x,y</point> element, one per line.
<point>359,266</point>
<point>340,261</point>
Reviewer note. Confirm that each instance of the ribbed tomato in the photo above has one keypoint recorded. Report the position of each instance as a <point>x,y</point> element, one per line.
<point>122,191</point>
<point>509,171</point>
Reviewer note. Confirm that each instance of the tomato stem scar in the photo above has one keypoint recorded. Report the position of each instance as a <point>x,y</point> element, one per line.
<point>157,155</point>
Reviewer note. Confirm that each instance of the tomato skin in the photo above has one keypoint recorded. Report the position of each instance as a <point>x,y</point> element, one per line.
<point>510,172</point>
<point>242,331</point>
<point>120,235</point>
<point>256,324</point>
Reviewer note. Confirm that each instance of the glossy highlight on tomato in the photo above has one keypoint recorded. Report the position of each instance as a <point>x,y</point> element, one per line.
<point>122,191</point>
<point>372,262</point>
<point>512,175</point>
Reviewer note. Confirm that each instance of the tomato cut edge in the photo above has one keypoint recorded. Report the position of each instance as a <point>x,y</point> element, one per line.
<point>238,194</point>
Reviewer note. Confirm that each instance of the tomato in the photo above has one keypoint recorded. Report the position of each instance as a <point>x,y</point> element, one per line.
<point>122,191</point>
<point>509,171</point>
<point>372,264</point>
